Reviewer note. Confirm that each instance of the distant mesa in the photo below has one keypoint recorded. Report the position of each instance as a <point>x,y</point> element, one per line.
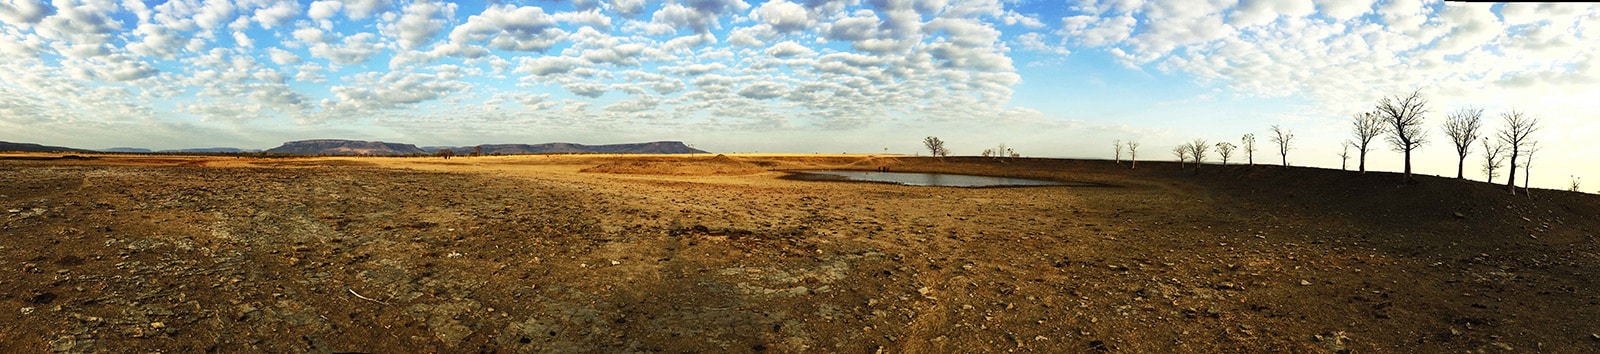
<point>223,150</point>
<point>379,148</point>
<point>26,147</point>
<point>345,147</point>
<point>659,147</point>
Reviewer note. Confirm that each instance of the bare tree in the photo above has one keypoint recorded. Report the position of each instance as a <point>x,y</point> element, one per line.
<point>1118,143</point>
<point>1285,140</point>
<point>1462,126</point>
<point>1197,150</point>
<point>1515,136</point>
<point>1367,125</point>
<point>1225,150</point>
<point>446,153</point>
<point>1344,155</point>
<point>935,147</point>
<point>1575,184</point>
<point>1249,142</point>
<point>1133,154</point>
<point>1493,158</point>
<point>1182,152</point>
<point>1527,167</point>
<point>1402,117</point>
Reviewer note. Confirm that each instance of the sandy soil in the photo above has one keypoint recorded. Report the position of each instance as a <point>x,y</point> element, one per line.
<point>704,254</point>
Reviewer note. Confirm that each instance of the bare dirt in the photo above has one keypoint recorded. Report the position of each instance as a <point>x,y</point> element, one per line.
<point>532,254</point>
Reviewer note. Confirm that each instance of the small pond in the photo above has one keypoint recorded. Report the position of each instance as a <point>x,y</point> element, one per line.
<point>926,179</point>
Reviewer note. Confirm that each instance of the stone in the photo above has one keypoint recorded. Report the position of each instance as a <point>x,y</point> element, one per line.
<point>1303,282</point>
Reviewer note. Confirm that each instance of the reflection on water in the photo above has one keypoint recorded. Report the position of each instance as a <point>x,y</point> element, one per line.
<point>928,179</point>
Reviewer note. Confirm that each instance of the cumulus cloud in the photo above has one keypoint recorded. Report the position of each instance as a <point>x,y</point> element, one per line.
<point>421,22</point>
<point>514,28</point>
<point>788,49</point>
<point>24,11</point>
<point>356,49</point>
<point>763,90</point>
<point>547,66</point>
<point>784,16</point>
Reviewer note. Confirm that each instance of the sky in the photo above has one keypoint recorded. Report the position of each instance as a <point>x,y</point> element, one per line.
<point>1048,78</point>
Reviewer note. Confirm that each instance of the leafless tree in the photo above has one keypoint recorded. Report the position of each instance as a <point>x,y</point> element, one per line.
<point>1493,158</point>
<point>1118,144</point>
<point>1367,125</point>
<point>1575,184</point>
<point>1344,155</point>
<point>1182,152</point>
<point>1225,150</point>
<point>1133,154</point>
<point>1462,126</point>
<point>1402,117</point>
<point>1249,144</point>
<point>1527,166</point>
<point>935,147</point>
<point>1285,140</point>
<point>446,153</point>
<point>477,151</point>
<point>1197,150</point>
<point>1515,136</point>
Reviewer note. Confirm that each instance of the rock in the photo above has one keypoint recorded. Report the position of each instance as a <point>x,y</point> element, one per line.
<point>158,325</point>
<point>1303,282</point>
<point>13,211</point>
<point>27,310</point>
<point>1503,345</point>
<point>1459,215</point>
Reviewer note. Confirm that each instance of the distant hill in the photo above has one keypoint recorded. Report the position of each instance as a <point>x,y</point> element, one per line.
<point>10,146</point>
<point>212,150</point>
<point>127,149</point>
<point>659,147</point>
<point>345,147</point>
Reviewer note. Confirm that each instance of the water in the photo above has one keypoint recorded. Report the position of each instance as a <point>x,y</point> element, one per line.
<point>926,179</point>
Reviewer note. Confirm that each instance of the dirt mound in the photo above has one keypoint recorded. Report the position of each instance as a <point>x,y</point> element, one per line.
<point>720,165</point>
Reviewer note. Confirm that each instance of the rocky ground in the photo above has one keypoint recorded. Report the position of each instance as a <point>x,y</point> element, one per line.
<point>532,254</point>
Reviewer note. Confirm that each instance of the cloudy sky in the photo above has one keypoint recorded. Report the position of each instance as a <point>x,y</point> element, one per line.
<point>1050,78</point>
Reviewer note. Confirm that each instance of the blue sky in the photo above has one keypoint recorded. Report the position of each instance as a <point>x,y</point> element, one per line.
<point>1050,78</point>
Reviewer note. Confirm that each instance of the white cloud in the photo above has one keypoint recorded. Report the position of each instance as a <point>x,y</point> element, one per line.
<point>853,28</point>
<point>420,22</point>
<point>546,66</point>
<point>355,50</point>
<point>282,57</point>
<point>628,8</point>
<point>360,9</point>
<point>587,89</point>
<point>277,15</point>
<point>1344,9</point>
<point>784,16</point>
<point>699,16</point>
<point>1260,12</point>
<point>591,18</point>
<point>763,90</point>
<point>24,11</point>
<point>525,29</point>
<point>789,49</point>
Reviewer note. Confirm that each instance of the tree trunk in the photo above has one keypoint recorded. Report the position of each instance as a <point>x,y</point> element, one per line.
<point>1363,161</point>
<point>1408,166</point>
<point>1461,165</point>
<point>1511,178</point>
<point>1285,157</point>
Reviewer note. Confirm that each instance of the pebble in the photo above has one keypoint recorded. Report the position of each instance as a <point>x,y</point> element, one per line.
<point>13,211</point>
<point>158,325</point>
<point>27,310</point>
<point>1303,282</point>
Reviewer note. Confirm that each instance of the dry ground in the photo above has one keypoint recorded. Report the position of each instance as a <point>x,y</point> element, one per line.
<point>718,254</point>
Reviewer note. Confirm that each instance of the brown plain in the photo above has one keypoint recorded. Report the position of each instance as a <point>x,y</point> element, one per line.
<point>598,253</point>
